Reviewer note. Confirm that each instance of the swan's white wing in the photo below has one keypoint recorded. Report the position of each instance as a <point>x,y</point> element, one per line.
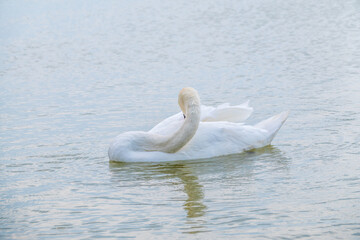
<point>169,126</point>
<point>223,138</point>
<point>211,139</point>
<point>224,112</point>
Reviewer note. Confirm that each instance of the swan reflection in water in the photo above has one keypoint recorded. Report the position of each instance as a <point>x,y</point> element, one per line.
<point>168,174</point>
<point>191,187</point>
<point>188,177</point>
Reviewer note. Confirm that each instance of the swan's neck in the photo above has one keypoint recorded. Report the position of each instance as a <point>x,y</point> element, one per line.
<point>180,138</point>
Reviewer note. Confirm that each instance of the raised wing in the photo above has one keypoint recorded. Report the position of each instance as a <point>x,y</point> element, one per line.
<point>224,112</point>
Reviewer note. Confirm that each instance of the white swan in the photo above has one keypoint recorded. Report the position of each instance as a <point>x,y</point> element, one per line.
<point>196,132</point>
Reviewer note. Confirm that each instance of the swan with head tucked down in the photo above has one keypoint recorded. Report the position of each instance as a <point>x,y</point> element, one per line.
<point>196,132</point>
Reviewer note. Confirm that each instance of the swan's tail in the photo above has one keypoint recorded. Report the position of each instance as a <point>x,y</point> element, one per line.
<point>273,124</point>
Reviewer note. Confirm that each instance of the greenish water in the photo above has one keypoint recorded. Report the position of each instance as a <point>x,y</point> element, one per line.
<point>74,74</point>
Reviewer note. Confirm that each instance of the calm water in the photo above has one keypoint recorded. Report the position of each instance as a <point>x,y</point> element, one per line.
<point>74,74</point>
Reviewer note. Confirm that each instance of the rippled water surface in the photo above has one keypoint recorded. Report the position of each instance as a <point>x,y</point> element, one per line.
<point>74,74</point>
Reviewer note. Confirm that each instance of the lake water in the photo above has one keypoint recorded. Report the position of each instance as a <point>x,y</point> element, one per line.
<point>74,74</point>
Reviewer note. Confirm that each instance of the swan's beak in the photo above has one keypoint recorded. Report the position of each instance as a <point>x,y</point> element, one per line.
<point>184,116</point>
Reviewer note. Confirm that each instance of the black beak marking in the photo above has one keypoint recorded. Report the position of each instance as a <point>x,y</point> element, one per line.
<point>184,116</point>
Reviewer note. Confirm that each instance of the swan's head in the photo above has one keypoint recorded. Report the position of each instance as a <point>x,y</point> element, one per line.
<point>188,96</point>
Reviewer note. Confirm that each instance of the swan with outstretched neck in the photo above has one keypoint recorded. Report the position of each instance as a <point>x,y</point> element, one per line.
<point>196,132</point>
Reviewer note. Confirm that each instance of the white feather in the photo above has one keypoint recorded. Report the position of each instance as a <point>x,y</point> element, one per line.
<point>220,132</point>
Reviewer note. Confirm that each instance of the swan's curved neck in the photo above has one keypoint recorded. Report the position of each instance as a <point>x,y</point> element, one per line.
<point>173,143</point>
<point>185,133</point>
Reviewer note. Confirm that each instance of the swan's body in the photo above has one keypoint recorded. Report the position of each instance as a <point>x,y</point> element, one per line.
<point>196,132</point>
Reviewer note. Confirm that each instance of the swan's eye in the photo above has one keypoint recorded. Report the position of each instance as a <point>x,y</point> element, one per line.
<point>184,116</point>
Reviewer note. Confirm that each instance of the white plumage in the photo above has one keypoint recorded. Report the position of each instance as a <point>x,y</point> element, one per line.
<point>205,132</point>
